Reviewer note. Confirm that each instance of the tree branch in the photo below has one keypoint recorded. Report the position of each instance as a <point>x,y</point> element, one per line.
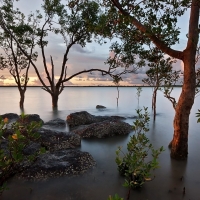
<point>160,44</point>
<point>86,71</point>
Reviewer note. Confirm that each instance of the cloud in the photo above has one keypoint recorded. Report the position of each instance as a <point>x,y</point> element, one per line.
<point>80,49</point>
<point>102,79</point>
<point>68,83</point>
<point>3,77</point>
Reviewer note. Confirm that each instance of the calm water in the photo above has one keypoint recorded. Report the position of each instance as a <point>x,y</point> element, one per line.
<point>104,179</point>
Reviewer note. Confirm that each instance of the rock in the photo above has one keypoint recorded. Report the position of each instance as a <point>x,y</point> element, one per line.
<point>84,118</point>
<point>104,129</point>
<point>8,132</point>
<point>100,107</point>
<point>56,123</point>
<point>80,118</point>
<point>32,148</point>
<point>56,140</point>
<point>10,116</point>
<point>59,163</point>
<point>30,118</point>
<point>118,118</point>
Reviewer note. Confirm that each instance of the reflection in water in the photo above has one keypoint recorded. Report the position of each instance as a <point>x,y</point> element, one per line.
<point>104,180</point>
<point>177,185</point>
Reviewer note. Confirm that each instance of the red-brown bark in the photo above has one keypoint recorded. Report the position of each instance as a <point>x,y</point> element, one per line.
<point>179,144</point>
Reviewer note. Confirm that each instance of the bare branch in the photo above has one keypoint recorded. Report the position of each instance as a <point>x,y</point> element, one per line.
<point>86,71</point>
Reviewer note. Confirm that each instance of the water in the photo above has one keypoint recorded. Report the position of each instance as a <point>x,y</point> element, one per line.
<point>104,179</point>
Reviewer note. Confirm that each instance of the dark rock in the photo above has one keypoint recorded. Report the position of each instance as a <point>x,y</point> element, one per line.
<point>10,116</point>
<point>118,118</point>
<point>59,163</point>
<point>8,131</point>
<point>104,129</point>
<point>32,148</point>
<point>56,140</point>
<point>80,118</point>
<point>56,123</point>
<point>30,118</point>
<point>100,107</point>
<point>84,118</point>
<point>4,146</point>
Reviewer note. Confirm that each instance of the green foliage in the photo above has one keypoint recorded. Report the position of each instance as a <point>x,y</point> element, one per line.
<point>198,116</point>
<point>156,18</point>
<point>12,157</point>
<point>160,69</point>
<point>160,73</point>
<point>115,197</point>
<point>136,165</point>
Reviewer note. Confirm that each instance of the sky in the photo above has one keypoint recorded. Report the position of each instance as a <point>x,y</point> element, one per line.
<point>91,56</point>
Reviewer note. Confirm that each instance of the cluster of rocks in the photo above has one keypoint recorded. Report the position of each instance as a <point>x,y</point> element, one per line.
<point>87,125</point>
<point>62,156</point>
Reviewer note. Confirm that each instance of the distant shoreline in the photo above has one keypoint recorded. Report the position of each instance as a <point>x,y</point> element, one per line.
<point>93,86</point>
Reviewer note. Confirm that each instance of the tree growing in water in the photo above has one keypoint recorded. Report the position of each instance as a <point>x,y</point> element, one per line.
<point>75,23</point>
<point>160,73</point>
<point>116,80</point>
<point>12,57</point>
<point>155,22</point>
<point>139,90</point>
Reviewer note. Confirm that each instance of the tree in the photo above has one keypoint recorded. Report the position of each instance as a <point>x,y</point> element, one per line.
<point>155,22</point>
<point>120,60</point>
<point>75,23</point>
<point>116,81</point>
<point>12,57</point>
<point>160,73</point>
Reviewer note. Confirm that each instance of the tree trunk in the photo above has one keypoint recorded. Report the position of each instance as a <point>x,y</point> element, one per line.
<point>179,144</point>
<point>154,103</point>
<point>54,97</point>
<point>117,95</point>
<point>22,97</point>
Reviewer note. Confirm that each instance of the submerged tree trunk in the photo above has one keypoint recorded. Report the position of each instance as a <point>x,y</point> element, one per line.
<point>154,102</point>
<point>55,91</point>
<point>54,100</point>
<point>22,97</point>
<point>117,95</point>
<point>179,144</point>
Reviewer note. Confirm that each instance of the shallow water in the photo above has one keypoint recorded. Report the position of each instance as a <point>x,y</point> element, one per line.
<point>104,179</point>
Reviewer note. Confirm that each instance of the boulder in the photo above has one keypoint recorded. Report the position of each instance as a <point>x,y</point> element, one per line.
<point>104,129</point>
<point>10,116</point>
<point>100,107</point>
<point>30,118</point>
<point>84,118</point>
<point>55,140</point>
<point>117,117</point>
<point>32,148</point>
<point>59,163</point>
<point>56,123</point>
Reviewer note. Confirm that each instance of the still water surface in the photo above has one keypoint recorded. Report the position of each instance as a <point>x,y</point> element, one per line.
<point>104,179</point>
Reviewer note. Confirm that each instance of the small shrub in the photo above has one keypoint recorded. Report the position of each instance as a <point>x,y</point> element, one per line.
<point>116,197</point>
<point>137,164</point>
<point>12,157</point>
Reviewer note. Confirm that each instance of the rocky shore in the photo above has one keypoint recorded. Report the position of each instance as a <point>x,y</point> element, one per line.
<point>62,156</point>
